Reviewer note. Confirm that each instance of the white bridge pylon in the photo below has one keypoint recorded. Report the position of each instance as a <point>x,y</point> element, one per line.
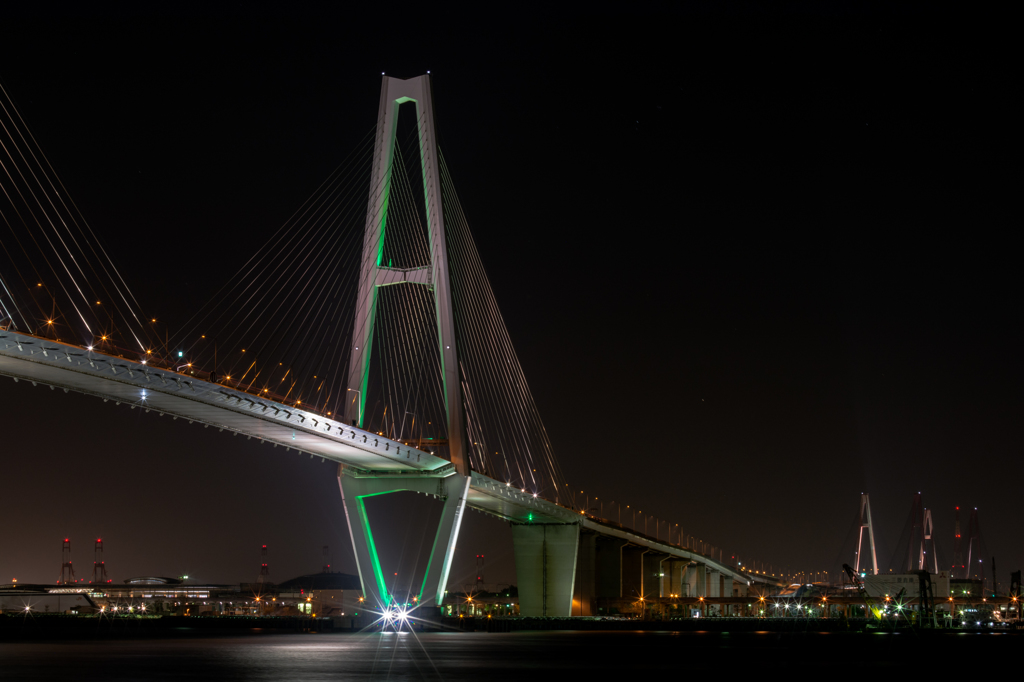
<point>357,486</point>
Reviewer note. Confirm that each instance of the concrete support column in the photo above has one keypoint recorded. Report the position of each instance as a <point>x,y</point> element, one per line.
<point>545,567</point>
<point>651,573</point>
<point>632,572</point>
<point>682,582</point>
<point>673,570</point>
<point>714,583</point>
<point>354,490</point>
<point>696,580</point>
<point>608,564</point>
<point>585,586</point>
<point>665,570</point>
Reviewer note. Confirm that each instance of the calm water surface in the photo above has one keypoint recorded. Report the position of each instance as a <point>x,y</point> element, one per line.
<point>531,656</point>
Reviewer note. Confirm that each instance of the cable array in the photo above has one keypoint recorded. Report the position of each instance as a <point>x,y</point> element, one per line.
<point>282,326</point>
<point>508,435</point>
<point>405,395</point>
<point>57,280</point>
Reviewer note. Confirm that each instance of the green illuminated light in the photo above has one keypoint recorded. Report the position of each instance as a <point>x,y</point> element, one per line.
<point>378,573</point>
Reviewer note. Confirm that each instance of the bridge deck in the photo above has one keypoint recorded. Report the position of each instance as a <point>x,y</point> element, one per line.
<point>183,396</point>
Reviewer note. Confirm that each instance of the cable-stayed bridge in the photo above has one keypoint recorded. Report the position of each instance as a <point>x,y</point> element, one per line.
<point>364,332</point>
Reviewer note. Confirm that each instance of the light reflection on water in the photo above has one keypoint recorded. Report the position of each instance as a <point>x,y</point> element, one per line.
<point>529,656</point>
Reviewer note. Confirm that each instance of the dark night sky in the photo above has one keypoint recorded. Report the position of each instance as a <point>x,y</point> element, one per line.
<point>754,262</point>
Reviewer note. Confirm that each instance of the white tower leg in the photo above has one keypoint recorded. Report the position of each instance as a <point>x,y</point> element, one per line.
<point>354,491</point>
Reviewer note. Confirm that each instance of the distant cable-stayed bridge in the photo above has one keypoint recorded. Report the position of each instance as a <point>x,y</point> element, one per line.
<point>365,332</point>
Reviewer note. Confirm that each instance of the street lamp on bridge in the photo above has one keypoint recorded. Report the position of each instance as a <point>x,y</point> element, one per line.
<point>359,405</point>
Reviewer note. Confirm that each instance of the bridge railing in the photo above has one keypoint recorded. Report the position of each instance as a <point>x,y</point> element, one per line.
<point>106,348</point>
<point>183,367</point>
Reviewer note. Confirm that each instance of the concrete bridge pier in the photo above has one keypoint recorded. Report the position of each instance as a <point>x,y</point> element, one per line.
<point>546,567</point>
<point>641,572</point>
<point>713,588</point>
<point>357,486</point>
<point>672,575</point>
<point>644,575</point>
<point>652,573</point>
<point>609,566</point>
<point>598,572</point>
<point>696,580</point>
<point>714,583</point>
<point>686,570</point>
<point>585,586</point>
